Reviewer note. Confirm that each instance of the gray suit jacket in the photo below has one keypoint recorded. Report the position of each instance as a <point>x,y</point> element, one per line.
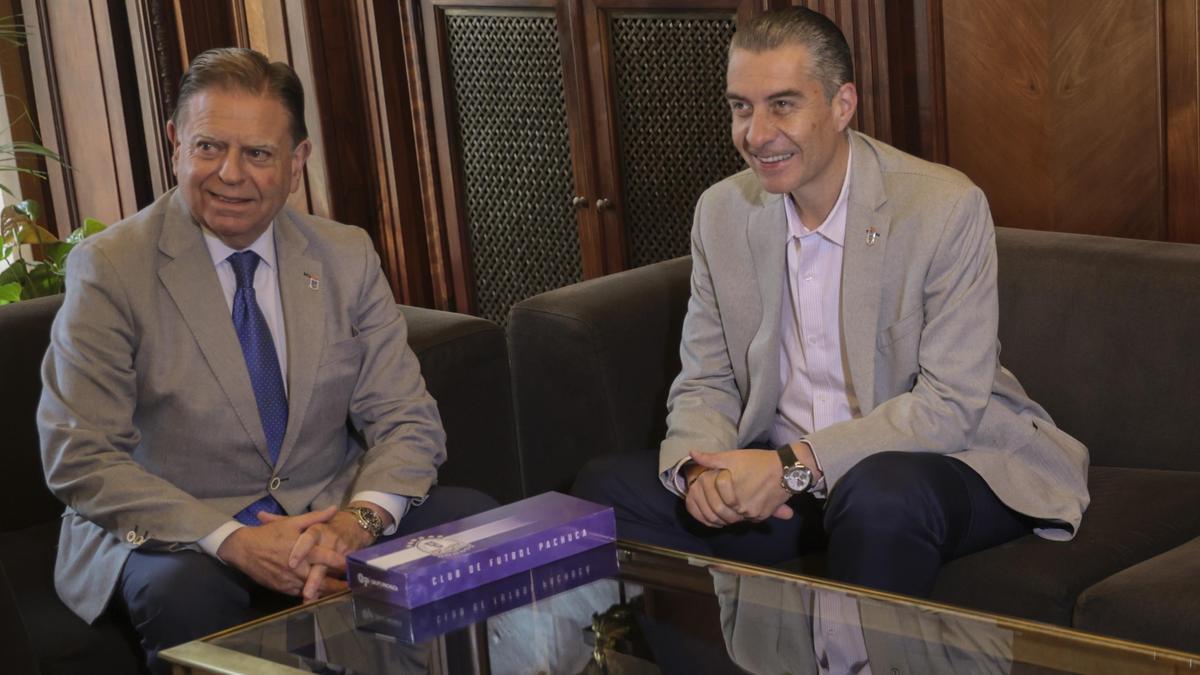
<point>919,322</point>
<point>149,428</point>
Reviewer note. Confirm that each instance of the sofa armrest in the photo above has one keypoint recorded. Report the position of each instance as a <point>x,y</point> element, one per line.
<point>464,361</point>
<point>24,336</point>
<point>592,363</point>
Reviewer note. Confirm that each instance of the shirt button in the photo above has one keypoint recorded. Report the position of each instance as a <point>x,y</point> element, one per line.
<point>812,340</point>
<point>131,536</point>
<point>809,277</point>
<point>274,485</point>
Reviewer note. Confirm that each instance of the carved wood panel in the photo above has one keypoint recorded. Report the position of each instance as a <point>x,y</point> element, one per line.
<point>1056,115</point>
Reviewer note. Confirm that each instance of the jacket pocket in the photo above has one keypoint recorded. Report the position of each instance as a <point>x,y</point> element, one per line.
<point>909,324</point>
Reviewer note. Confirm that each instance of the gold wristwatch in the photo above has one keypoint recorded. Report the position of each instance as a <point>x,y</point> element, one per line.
<point>367,519</point>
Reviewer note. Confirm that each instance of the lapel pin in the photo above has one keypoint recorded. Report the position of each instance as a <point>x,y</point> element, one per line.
<point>314,282</point>
<point>872,236</point>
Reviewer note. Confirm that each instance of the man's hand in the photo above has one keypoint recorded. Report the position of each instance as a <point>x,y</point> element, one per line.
<point>262,552</point>
<point>323,547</point>
<point>704,495</point>
<point>747,483</point>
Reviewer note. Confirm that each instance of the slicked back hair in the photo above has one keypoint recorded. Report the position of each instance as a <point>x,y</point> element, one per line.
<point>239,69</point>
<point>832,62</point>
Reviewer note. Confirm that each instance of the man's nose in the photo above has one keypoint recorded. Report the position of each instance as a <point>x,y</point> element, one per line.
<point>231,167</point>
<point>760,130</point>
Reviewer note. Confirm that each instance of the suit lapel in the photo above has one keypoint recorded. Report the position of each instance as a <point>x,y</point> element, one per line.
<point>191,280</point>
<point>303,301</point>
<point>767,235</point>
<point>862,270</point>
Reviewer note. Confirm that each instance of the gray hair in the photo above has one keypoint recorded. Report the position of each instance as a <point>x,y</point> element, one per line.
<point>832,62</point>
<point>236,68</point>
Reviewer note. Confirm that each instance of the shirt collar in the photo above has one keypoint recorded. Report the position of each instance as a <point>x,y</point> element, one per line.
<point>264,246</point>
<point>834,227</point>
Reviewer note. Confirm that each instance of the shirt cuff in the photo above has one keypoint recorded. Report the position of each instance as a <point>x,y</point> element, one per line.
<point>395,505</point>
<point>818,490</point>
<point>674,480</point>
<point>211,543</point>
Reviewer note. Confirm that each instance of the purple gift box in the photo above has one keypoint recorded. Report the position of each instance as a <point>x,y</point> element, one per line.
<point>442,616</point>
<point>468,553</point>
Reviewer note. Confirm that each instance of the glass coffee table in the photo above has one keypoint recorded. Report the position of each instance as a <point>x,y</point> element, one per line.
<point>637,609</point>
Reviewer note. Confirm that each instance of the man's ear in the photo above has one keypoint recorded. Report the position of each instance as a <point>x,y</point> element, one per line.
<point>173,137</point>
<point>300,155</point>
<point>845,104</point>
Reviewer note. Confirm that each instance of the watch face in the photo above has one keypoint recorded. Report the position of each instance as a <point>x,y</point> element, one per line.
<point>797,478</point>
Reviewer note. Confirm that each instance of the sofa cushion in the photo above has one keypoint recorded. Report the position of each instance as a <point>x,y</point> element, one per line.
<point>464,361</point>
<point>60,641</point>
<point>1135,514</point>
<point>1156,601</point>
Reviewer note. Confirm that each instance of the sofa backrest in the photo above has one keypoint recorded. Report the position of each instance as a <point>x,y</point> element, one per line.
<point>1101,331</point>
<point>464,361</point>
<point>24,334</point>
<point>591,365</point>
<point>1104,333</point>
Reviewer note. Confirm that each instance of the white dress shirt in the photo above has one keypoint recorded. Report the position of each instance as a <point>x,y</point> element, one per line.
<point>266,295</point>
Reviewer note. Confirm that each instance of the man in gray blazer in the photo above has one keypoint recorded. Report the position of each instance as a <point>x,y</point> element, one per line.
<point>841,382</point>
<point>209,355</point>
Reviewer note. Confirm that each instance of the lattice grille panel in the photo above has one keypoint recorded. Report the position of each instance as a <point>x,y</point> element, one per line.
<point>673,124</point>
<point>516,157</point>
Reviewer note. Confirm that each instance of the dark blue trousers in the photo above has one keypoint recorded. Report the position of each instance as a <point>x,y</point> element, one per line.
<point>172,598</point>
<point>889,524</point>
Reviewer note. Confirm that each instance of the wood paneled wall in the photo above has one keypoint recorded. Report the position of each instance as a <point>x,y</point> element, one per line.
<point>1077,115</point>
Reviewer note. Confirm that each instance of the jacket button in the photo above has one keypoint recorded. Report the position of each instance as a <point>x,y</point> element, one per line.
<point>274,485</point>
<point>131,537</point>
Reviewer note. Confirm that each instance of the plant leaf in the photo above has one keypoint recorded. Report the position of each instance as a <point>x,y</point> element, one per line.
<point>56,253</point>
<point>32,233</point>
<point>43,281</point>
<point>10,293</point>
<point>30,208</point>
<point>92,226</point>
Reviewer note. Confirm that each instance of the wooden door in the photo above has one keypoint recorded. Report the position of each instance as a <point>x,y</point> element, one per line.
<point>656,70</point>
<point>504,113</point>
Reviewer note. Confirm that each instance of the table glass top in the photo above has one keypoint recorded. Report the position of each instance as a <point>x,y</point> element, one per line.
<point>637,609</point>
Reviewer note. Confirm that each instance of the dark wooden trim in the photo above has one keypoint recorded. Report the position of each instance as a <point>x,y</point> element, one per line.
<point>50,117</point>
<point>21,106</point>
<point>401,235</point>
<point>930,80</point>
<point>1180,58</point>
<point>425,155</point>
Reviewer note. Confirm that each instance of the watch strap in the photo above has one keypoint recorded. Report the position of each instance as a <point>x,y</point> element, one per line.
<point>787,455</point>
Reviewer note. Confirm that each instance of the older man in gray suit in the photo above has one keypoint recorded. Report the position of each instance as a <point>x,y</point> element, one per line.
<point>841,381</point>
<point>208,356</point>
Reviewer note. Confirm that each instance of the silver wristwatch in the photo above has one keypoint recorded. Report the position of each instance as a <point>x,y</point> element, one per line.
<point>796,477</point>
<point>367,519</point>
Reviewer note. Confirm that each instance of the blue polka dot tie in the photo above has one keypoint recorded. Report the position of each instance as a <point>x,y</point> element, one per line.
<point>263,365</point>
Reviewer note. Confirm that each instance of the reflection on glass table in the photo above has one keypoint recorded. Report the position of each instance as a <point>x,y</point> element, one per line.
<point>637,609</point>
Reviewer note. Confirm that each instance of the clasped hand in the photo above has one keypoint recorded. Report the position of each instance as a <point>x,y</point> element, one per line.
<point>734,486</point>
<point>295,554</point>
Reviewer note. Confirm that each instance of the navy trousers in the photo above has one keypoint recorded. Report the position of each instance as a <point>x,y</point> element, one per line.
<point>172,598</point>
<point>890,523</point>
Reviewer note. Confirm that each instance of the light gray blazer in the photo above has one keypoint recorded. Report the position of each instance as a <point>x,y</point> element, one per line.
<point>149,428</point>
<point>919,324</point>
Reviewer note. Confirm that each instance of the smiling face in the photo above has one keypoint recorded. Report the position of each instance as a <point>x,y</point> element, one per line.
<point>784,125</point>
<point>235,162</point>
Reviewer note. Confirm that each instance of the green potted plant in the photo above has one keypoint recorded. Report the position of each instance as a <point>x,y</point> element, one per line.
<point>32,259</point>
<point>36,259</point>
